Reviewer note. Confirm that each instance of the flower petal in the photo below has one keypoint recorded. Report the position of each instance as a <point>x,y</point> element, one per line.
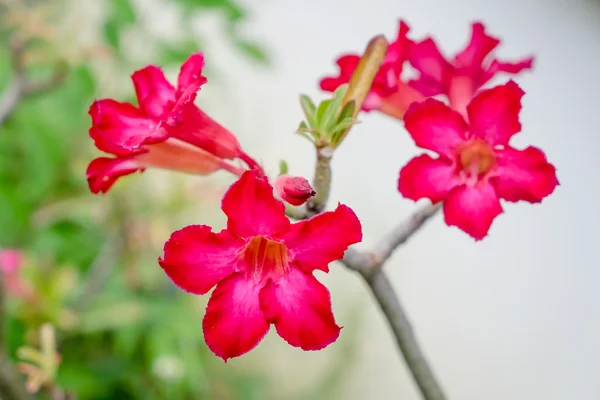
<point>120,128</point>
<point>347,64</point>
<point>324,238</point>
<point>196,127</point>
<point>190,73</point>
<point>177,155</point>
<point>234,322</point>
<point>252,209</point>
<point>196,259</point>
<point>427,59</point>
<point>435,126</point>
<point>494,113</point>
<point>472,209</point>
<point>300,308</point>
<point>426,177</point>
<point>524,175</point>
<point>156,96</point>
<point>512,68</point>
<point>480,45</point>
<point>103,172</point>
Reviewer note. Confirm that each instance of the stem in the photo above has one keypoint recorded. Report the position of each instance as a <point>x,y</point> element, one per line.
<point>407,342</point>
<point>321,181</point>
<point>22,86</point>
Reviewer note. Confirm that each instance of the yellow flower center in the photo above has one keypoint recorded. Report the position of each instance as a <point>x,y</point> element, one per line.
<point>265,258</point>
<point>477,157</point>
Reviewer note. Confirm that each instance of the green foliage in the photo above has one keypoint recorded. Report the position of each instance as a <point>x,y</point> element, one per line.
<point>326,122</point>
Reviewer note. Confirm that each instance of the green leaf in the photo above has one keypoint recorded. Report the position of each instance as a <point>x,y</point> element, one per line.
<point>340,128</point>
<point>327,122</point>
<point>253,50</point>
<point>309,109</point>
<point>112,33</point>
<point>283,167</point>
<point>321,110</point>
<point>347,111</point>
<point>121,15</point>
<point>305,135</point>
<point>303,128</point>
<point>123,11</point>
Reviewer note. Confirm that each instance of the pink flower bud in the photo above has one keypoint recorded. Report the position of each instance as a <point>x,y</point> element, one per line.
<point>293,189</point>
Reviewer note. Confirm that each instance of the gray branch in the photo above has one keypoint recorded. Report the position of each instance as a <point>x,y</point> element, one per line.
<point>407,342</point>
<point>22,86</point>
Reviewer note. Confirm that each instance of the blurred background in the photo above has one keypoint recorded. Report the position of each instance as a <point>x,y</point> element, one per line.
<point>516,316</point>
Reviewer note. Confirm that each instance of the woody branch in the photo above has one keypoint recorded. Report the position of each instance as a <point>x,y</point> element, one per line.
<point>369,263</point>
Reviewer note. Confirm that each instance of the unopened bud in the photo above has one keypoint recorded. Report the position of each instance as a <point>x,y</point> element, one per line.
<point>293,189</point>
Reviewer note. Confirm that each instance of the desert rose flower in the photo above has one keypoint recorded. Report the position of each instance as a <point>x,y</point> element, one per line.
<point>262,267</point>
<point>389,94</point>
<point>167,130</point>
<point>461,77</point>
<point>476,166</point>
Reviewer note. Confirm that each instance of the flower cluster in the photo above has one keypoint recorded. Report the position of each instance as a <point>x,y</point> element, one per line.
<point>261,265</point>
<point>468,127</point>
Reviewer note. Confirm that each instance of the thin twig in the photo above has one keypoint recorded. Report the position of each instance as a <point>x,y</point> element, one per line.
<point>22,86</point>
<point>388,301</point>
<point>369,262</point>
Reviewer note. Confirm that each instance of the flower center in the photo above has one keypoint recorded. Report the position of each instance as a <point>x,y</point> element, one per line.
<point>265,258</point>
<point>477,157</point>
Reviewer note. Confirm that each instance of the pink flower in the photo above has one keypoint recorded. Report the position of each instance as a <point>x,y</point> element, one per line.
<point>476,166</point>
<point>262,267</point>
<point>167,130</point>
<point>389,94</point>
<point>11,261</point>
<point>293,189</point>
<point>470,69</point>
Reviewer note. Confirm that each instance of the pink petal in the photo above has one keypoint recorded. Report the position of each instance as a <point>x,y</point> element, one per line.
<point>120,128</point>
<point>251,208</point>
<point>427,59</point>
<point>324,238</point>
<point>156,96</point>
<point>11,261</point>
<point>524,175</point>
<point>103,172</point>
<point>300,308</point>
<point>398,50</point>
<point>177,155</point>
<point>435,126</point>
<point>196,259</point>
<point>479,47</point>
<point>512,68</point>
<point>494,113</point>
<point>347,64</point>
<point>426,177</point>
<point>199,129</point>
<point>191,73</point>
<point>472,209</point>
<point>234,322</point>
<point>396,104</point>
